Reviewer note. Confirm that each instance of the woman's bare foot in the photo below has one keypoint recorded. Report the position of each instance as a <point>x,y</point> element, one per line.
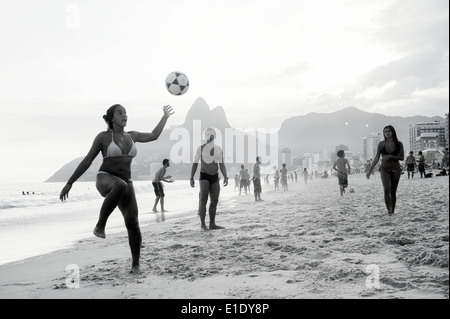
<point>100,233</point>
<point>135,270</point>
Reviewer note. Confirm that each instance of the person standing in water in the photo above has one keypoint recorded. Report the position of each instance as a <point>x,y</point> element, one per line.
<point>211,158</point>
<point>114,177</point>
<point>391,152</point>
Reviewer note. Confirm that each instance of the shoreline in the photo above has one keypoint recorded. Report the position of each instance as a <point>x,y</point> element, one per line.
<point>39,229</point>
<point>307,243</point>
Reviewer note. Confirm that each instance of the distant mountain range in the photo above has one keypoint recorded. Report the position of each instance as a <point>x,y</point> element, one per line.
<point>311,133</point>
<point>315,132</point>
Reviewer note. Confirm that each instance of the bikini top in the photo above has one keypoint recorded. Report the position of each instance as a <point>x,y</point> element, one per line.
<point>396,151</point>
<point>114,150</point>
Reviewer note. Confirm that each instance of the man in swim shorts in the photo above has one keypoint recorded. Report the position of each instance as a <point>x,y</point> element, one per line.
<point>211,158</point>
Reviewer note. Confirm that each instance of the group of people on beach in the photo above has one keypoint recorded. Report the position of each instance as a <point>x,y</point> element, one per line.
<point>118,150</point>
<point>414,164</point>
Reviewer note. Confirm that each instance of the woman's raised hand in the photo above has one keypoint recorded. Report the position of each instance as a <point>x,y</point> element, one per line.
<point>168,110</point>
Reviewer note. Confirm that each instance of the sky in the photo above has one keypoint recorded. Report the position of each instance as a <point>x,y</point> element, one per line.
<point>63,63</point>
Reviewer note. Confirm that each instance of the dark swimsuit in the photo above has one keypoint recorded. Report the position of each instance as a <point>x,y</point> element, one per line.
<point>393,161</point>
<point>210,178</point>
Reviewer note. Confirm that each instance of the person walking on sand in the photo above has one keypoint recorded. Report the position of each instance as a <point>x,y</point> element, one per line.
<point>114,177</point>
<point>421,164</point>
<point>211,158</point>
<point>411,164</point>
<point>391,152</point>
<point>158,186</point>
<point>340,166</point>
<point>284,182</point>
<point>305,175</point>
<point>257,180</point>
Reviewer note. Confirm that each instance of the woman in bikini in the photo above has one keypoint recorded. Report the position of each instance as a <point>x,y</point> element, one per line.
<point>391,150</point>
<point>114,177</point>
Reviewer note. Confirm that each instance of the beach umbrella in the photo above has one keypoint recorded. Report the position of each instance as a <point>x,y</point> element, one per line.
<point>433,155</point>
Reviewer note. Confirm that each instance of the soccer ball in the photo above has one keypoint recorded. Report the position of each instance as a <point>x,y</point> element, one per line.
<point>177,83</point>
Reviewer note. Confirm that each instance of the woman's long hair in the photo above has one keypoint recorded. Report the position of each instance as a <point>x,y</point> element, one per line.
<point>108,117</point>
<point>394,133</point>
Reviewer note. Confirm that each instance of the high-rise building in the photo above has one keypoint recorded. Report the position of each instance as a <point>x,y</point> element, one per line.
<point>427,135</point>
<point>370,145</point>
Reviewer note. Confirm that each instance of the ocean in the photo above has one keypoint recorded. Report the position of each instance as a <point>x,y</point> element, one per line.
<point>33,220</point>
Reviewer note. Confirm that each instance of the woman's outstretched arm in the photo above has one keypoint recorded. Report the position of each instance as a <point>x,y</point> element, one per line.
<point>83,166</point>
<point>148,137</point>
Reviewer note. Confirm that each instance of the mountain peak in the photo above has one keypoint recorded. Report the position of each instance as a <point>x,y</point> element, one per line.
<point>201,111</point>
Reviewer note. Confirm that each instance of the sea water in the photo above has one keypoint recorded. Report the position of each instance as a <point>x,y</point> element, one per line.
<point>34,221</point>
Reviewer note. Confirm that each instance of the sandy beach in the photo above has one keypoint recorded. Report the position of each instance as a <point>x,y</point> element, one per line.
<point>306,243</point>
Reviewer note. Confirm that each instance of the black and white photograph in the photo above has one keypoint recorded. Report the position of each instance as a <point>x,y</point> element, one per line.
<point>224,154</point>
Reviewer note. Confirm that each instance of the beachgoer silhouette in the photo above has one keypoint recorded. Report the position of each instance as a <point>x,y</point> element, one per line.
<point>114,177</point>
<point>158,186</point>
<point>211,158</point>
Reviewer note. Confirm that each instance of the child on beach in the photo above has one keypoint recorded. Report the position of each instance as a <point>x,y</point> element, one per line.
<point>342,174</point>
<point>157,185</point>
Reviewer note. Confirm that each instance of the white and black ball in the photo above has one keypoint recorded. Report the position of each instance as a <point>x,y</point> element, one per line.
<point>177,83</point>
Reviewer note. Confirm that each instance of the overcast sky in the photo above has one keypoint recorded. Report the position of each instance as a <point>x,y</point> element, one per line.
<point>63,63</point>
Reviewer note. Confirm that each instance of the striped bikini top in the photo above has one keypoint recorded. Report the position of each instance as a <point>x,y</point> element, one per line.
<point>114,150</point>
